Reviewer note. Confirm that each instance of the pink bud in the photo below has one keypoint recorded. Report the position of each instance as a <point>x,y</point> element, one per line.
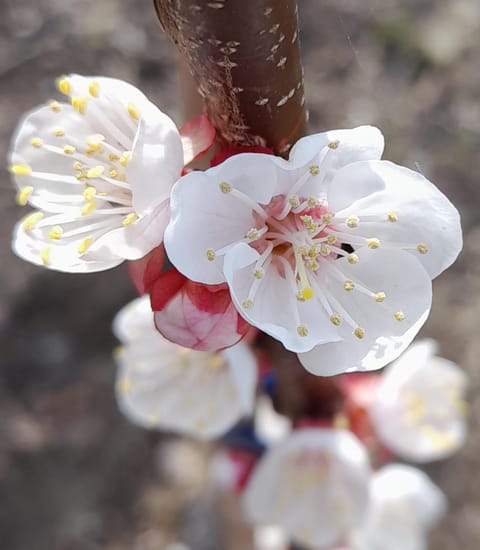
<point>195,315</point>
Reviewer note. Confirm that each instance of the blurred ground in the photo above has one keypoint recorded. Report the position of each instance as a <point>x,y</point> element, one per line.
<point>73,473</point>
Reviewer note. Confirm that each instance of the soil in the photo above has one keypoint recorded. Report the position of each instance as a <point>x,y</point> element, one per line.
<point>74,474</point>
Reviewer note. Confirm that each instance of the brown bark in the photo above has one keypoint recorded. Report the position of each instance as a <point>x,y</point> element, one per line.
<point>245,58</point>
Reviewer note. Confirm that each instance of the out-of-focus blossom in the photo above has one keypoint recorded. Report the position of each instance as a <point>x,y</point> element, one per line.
<point>194,315</point>
<point>418,408</point>
<point>99,170</point>
<point>404,506</point>
<point>314,485</point>
<point>162,385</point>
<point>270,426</point>
<point>331,252</point>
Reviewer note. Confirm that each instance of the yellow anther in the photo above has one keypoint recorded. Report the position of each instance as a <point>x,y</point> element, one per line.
<point>58,132</point>
<point>23,195</point>
<point>353,259</point>
<point>334,144</point>
<point>312,252</point>
<point>95,172</point>
<point>129,219</point>
<point>359,333</point>
<point>314,170</point>
<point>30,221</point>
<point>36,142</point>
<point>294,201</point>
<point>399,315</point>
<point>69,149</point>
<point>113,173</point>
<point>89,193</point>
<point>125,158</point>
<point>331,239</point>
<point>422,248</point>
<point>380,297</point>
<point>306,293</point>
<point>258,273</point>
<point>327,218</point>
<point>225,187</point>
<point>79,103</point>
<point>113,158</point>
<point>210,254</point>
<point>88,208</point>
<point>247,304</point>
<point>85,245</point>
<point>133,111</point>
<point>94,142</point>
<point>45,255</point>
<point>312,202</point>
<point>324,250</point>
<point>64,86</point>
<point>55,233</point>
<point>302,330</point>
<point>94,88</point>
<point>373,243</point>
<point>335,319</point>
<point>124,385</point>
<point>348,286</point>
<point>312,264</point>
<point>55,106</point>
<point>252,234</point>
<point>392,216</point>
<point>352,221</point>
<point>20,170</point>
<point>78,165</point>
<point>309,224</point>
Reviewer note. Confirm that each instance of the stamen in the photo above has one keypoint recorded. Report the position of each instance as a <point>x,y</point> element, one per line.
<point>306,291</point>
<point>69,149</point>
<point>247,304</point>
<point>359,333</point>
<point>94,88</point>
<point>30,221</point>
<point>258,273</point>
<point>85,245</point>
<point>348,286</point>
<point>23,195</point>
<point>45,255</point>
<point>294,201</point>
<point>399,316</point>
<point>352,221</point>
<point>225,187</point>
<point>422,248</point>
<point>373,243</point>
<point>129,219</point>
<point>64,86</point>
<point>55,233</point>
<point>210,254</point>
<point>59,132</point>
<point>302,330</point>
<point>125,158</point>
<point>335,319</point>
<point>392,216</point>
<point>95,172</point>
<point>90,207</point>
<point>334,144</point>
<point>314,169</point>
<point>36,142</point>
<point>380,297</point>
<point>353,259</point>
<point>20,170</point>
<point>133,111</point>
<point>79,103</point>
<point>55,106</point>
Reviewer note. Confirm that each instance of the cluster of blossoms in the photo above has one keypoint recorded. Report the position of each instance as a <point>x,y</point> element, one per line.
<point>332,252</point>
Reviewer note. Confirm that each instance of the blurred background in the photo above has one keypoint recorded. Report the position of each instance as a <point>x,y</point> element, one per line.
<point>73,473</point>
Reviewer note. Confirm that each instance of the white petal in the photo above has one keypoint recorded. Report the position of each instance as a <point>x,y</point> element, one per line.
<point>425,215</point>
<point>408,290</point>
<point>361,143</point>
<point>203,217</point>
<point>314,485</point>
<point>275,309</point>
<point>418,409</point>
<point>270,427</point>
<point>157,160</point>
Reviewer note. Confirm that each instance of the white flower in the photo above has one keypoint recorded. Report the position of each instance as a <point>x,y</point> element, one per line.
<point>270,426</point>
<point>418,409</point>
<point>162,385</point>
<point>331,252</point>
<point>314,485</point>
<point>404,506</point>
<point>99,169</point>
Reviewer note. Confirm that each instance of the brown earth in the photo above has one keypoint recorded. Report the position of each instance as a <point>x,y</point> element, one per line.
<point>73,473</point>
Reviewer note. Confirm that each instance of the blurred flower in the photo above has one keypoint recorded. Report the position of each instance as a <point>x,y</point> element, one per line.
<point>99,169</point>
<point>418,408</point>
<point>164,386</point>
<point>314,485</point>
<point>404,506</point>
<point>331,252</point>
